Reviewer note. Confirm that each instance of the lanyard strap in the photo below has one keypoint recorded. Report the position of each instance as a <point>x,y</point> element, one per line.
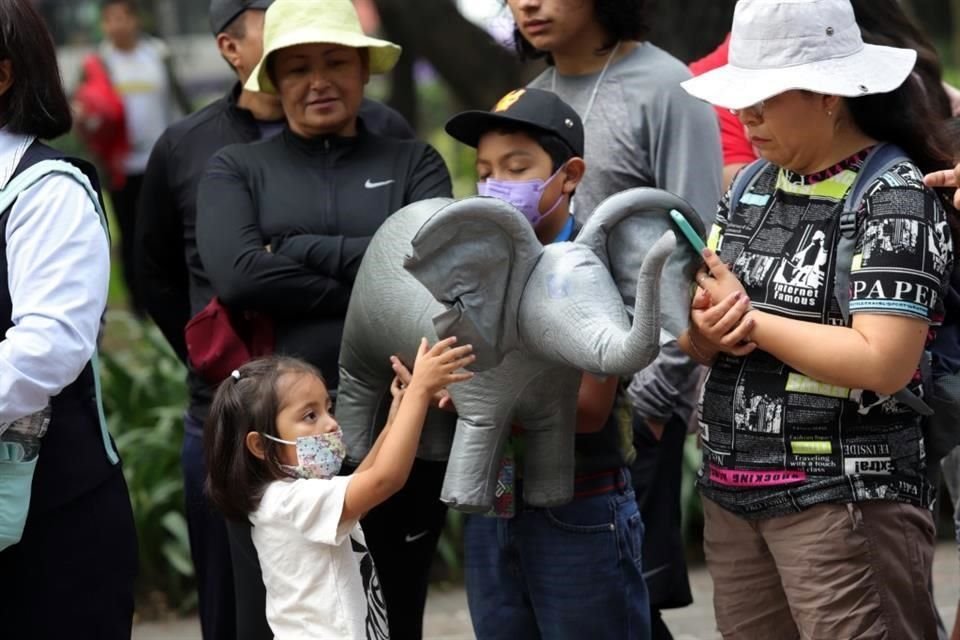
<point>596,85</point>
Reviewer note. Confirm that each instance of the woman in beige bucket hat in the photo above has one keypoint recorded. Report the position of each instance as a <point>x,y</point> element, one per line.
<point>282,227</point>
<point>816,501</point>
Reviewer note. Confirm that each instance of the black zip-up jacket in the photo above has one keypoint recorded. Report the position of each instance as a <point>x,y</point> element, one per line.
<point>166,214</point>
<point>316,202</point>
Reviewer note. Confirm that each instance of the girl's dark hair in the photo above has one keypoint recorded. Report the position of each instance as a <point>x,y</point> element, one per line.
<point>620,20</point>
<point>885,22</point>
<point>35,104</point>
<point>235,477</point>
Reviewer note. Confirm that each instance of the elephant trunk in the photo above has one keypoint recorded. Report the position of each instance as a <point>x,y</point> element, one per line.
<point>573,313</point>
<point>640,346</point>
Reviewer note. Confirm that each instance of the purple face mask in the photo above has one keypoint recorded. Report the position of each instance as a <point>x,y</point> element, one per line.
<point>523,194</point>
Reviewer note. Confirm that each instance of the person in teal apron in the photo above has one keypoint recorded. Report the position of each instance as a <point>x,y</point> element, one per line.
<point>68,550</point>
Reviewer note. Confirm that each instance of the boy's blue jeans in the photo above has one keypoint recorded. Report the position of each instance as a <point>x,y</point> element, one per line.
<point>570,572</point>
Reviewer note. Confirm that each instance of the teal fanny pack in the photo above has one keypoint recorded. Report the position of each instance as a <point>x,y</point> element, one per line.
<point>16,478</point>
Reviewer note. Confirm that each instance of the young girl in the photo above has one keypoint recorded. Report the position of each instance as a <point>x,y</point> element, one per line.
<point>273,451</point>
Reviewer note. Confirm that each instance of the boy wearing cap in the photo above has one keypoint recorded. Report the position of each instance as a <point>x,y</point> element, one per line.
<point>641,131</point>
<point>559,572</point>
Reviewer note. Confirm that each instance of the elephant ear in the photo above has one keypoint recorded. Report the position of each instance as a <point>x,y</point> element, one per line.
<point>475,257</point>
<point>621,231</point>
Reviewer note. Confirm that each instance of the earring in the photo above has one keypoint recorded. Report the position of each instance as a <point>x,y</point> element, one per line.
<point>830,113</point>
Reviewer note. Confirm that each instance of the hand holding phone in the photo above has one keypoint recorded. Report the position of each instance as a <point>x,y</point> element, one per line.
<point>692,236</point>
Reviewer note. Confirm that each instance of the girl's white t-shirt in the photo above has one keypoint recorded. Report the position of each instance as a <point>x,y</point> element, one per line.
<point>320,579</point>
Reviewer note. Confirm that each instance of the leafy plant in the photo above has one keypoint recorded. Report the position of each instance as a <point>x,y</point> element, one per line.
<point>448,563</point>
<point>144,396</point>
<point>690,505</point>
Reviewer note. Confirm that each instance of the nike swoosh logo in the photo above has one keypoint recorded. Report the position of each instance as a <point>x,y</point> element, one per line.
<point>411,538</point>
<point>370,184</point>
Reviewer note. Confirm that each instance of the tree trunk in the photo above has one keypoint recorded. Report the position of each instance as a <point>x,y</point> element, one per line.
<point>403,89</point>
<point>477,69</point>
<point>690,29</point>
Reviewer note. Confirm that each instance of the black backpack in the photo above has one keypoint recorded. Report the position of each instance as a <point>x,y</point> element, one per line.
<point>940,366</point>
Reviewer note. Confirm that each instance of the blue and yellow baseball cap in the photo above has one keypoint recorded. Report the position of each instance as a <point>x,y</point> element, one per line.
<point>527,108</point>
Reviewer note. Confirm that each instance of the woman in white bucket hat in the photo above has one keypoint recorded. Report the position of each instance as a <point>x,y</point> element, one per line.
<point>816,503</point>
<point>282,226</point>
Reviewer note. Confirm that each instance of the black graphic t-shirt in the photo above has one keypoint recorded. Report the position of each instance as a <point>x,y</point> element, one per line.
<point>774,440</point>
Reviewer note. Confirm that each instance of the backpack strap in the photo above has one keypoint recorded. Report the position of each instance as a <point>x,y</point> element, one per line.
<point>745,181</point>
<point>881,159</point>
<point>9,195</point>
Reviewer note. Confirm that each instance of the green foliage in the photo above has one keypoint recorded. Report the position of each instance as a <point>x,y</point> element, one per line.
<point>691,508</point>
<point>144,397</point>
<point>450,548</point>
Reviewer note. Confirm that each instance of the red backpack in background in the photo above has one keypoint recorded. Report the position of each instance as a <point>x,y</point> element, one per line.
<point>101,121</point>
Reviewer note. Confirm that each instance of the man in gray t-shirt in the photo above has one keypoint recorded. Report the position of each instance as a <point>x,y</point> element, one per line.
<point>641,131</point>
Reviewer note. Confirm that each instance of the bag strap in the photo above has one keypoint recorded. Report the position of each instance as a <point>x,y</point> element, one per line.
<point>745,181</point>
<point>880,160</point>
<point>9,195</point>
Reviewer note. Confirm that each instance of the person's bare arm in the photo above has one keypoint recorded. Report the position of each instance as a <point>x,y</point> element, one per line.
<point>397,390</point>
<point>595,402</point>
<point>441,399</point>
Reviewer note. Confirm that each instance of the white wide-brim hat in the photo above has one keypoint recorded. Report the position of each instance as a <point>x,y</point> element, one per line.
<point>815,45</point>
<point>292,22</point>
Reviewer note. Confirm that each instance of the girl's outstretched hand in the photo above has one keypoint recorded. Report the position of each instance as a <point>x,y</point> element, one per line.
<point>437,366</point>
<point>402,377</point>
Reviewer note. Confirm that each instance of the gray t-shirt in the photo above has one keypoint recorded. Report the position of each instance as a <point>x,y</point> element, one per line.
<point>644,130</point>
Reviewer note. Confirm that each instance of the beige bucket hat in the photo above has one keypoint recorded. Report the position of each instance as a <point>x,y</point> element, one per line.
<point>292,22</point>
<point>779,45</point>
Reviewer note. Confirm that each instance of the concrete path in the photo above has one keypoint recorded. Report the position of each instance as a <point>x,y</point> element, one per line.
<point>447,617</point>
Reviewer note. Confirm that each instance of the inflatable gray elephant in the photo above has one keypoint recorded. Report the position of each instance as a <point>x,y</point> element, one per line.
<point>537,317</point>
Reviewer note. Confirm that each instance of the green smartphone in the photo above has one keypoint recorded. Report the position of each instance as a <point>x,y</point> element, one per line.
<point>692,236</point>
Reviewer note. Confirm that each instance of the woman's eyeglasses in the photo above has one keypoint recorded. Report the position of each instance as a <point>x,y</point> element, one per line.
<point>755,109</point>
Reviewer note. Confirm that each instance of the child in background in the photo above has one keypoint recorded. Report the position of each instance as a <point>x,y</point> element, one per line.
<point>273,450</point>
